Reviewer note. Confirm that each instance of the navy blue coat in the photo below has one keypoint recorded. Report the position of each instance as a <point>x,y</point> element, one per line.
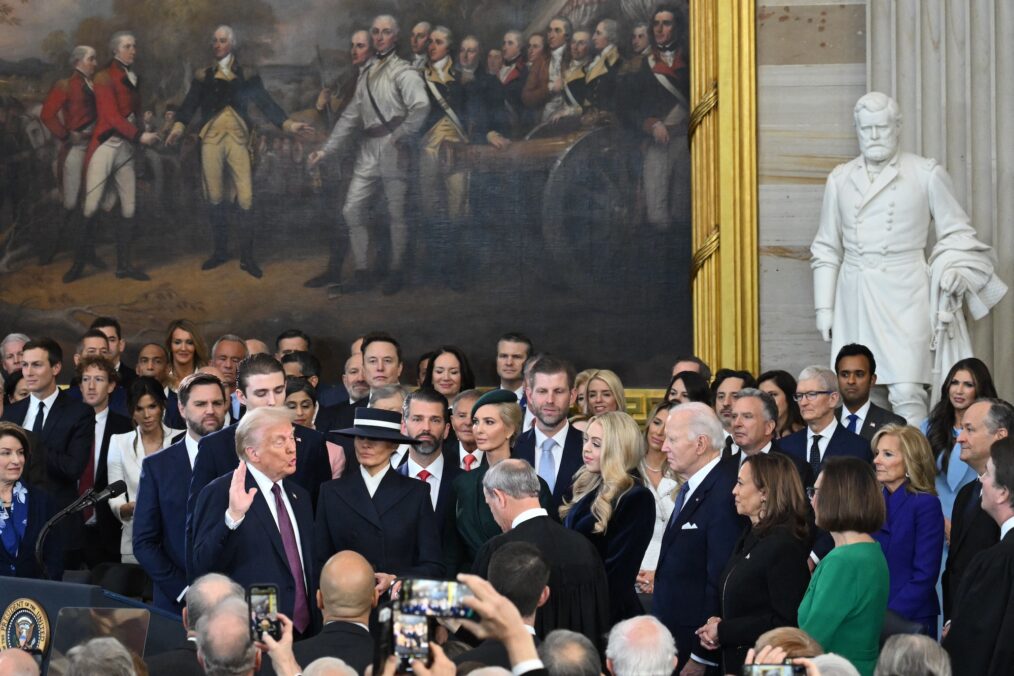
<point>160,523</point>
<point>913,541</point>
<point>209,95</point>
<point>696,546</point>
<point>444,511</point>
<point>253,553</point>
<point>40,509</point>
<point>843,443</point>
<point>395,530</point>
<point>622,546</point>
<point>570,463</point>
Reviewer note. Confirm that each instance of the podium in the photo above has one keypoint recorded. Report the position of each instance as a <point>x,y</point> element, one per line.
<point>77,612</point>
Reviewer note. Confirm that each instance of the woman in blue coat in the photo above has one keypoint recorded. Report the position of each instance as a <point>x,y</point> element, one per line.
<point>913,533</point>
<point>611,508</point>
<point>24,510</point>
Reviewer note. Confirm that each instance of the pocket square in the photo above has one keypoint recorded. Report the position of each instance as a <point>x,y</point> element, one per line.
<point>689,526</point>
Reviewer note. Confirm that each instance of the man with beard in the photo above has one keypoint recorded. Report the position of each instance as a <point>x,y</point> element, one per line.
<point>161,510</point>
<point>552,446</point>
<point>425,420</point>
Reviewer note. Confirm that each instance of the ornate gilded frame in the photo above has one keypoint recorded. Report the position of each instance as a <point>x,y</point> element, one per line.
<point>723,144</point>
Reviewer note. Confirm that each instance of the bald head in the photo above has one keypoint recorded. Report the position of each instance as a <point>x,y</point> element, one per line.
<point>16,662</point>
<point>223,639</point>
<point>347,586</point>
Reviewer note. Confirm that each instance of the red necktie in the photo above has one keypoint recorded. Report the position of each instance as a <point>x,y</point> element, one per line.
<point>423,475</point>
<point>469,461</point>
<point>301,611</point>
<point>86,481</point>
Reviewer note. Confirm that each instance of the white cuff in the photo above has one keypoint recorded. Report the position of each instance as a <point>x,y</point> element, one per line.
<point>229,523</point>
<point>700,660</point>
<point>526,666</point>
<point>179,599</point>
<point>814,557</point>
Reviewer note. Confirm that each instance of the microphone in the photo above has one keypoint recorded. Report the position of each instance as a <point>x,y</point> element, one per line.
<point>92,498</point>
<point>88,499</point>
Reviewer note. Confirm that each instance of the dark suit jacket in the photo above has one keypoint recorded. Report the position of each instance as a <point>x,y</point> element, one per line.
<point>695,548</point>
<point>160,523</point>
<point>331,394</point>
<point>913,541</point>
<point>67,435</point>
<point>979,640</point>
<point>876,418</point>
<point>395,530</point>
<point>210,95</point>
<point>253,553</point>
<point>622,546</point>
<point>179,662</point>
<point>570,463</point>
<point>444,511</point>
<point>348,642</point>
<point>40,509</point>
<point>172,417</point>
<point>490,652</point>
<point>109,528</point>
<point>972,531</point>
<point>732,463</point>
<point>762,586</point>
<point>843,443</point>
<point>127,375</point>
<point>578,598</point>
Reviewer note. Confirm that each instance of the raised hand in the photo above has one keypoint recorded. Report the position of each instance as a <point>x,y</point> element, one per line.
<point>240,498</point>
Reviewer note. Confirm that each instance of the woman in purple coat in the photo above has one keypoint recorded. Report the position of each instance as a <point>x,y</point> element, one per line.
<point>913,534</point>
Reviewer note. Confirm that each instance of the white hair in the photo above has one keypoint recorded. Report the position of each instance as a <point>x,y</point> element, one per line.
<point>912,655</point>
<point>388,17</point>
<point>641,646</point>
<point>76,57</point>
<point>329,666</point>
<point>12,337</point>
<point>228,31</point>
<point>447,34</point>
<point>610,28</point>
<point>830,664</point>
<point>828,378</point>
<point>703,422</point>
<point>223,639</point>
<point>251,428</point>
<point>104,655</point>
<point>118,36</point>
<point>874,102</point>
<point>513,476</point>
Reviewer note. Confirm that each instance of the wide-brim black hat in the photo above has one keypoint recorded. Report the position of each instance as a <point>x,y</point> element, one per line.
<point>376,423</point>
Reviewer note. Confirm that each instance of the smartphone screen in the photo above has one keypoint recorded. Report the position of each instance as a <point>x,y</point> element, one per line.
<point>772,670</point>
<point>262,600</point>
<point>411,640</point>
<point>433,598</point>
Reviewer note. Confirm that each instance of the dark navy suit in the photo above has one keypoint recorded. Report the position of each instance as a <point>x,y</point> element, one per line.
<point>570,463</point>
<point>913,541</point>
<point>106,546</point>
<point>843,443</point>
<point>697,544</point>
<point>395,530</point>
<point>40,509</point>
<point>445,494</point>
<point>160,523</point>
<point>253,553</point>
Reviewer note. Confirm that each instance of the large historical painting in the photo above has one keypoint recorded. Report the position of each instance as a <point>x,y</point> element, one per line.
<point>526,170</point>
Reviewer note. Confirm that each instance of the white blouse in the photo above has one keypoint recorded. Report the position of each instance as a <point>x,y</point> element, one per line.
<point>664,504</point>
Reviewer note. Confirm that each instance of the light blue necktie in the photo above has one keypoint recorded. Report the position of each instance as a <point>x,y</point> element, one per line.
<point>547,466</point>
<point>851,427</point>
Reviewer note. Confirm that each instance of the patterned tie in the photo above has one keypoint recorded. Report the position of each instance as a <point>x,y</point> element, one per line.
<point>40,418</point>
<point>853,418</point>
<point>301,612</point>
<point>547,465</point>
<point>815,455</point>
<point>424,475</point>
<point>86,481</point>
<point>678,507</point>
<point>469,461</point>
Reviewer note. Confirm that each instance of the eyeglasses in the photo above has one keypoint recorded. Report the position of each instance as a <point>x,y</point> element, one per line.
<point>810,396</point>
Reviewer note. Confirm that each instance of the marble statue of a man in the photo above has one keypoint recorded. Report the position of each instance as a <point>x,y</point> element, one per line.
<point>871,281</point>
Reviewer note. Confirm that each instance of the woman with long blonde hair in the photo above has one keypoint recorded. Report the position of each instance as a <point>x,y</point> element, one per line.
<point>611,508</point>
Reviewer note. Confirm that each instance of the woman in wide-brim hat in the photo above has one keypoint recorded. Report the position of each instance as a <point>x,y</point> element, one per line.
<point>375,511</point>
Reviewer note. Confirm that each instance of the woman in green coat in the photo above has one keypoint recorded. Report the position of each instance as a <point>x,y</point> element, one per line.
<point>845,604</point>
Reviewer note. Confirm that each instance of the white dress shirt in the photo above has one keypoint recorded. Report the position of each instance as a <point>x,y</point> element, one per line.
<point>825,438</point>
<point>33,409</point>
<point>528,515</point>
<point>698,477</point>
<point>100,429</point>
<point>436,470</point>
<point>861,414</point>
<point>477,454</point>
<point>373,482</point>
<point>191,444</point>
<point>1006,527</point>
<point>560,438</point>
<point>398,454</point>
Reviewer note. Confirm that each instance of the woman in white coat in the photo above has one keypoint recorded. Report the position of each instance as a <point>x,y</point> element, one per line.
<point>146,403</point>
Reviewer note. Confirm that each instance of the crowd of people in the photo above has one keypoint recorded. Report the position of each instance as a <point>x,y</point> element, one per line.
<point>748,517</point>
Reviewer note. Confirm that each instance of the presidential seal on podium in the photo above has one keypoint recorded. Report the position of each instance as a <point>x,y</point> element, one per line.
<point>24,625</point>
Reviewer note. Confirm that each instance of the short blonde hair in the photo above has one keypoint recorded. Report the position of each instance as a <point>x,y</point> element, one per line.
<point>920,466</point>
<point>795,642</point>
<point>612,381</point>
<point>622,452</point>
<point>250,430</point>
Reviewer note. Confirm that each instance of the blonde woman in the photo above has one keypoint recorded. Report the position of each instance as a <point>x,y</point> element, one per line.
<point>605,393</point>
<point>611,508</point>
<point>913,533</point>
<point>659,478</point>
<point>579,419</point>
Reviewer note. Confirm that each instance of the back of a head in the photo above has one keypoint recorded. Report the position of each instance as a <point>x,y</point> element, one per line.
<point>223,640</point>
<point>347,584</point>
<point>328,666</point>
<point>105,656</point>
<point>795,642</point>
<point>913,655</point>
<point>830,664</point>
<point>567,653</point>
<point>16,662</point>
<point>641,646</point>
<point>520,572</point>
<point>206,593</point>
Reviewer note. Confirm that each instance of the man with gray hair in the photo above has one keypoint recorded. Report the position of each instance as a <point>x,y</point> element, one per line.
<point>207,592</point>
<point>104,655</point>
<point>870,281</point>
<point>223,93</point>
<point>578,596</point>
<point>754,419</point>
<point>10,351</point>
<point>256,524</point>
<point>329,666</point>
<point>824,437</point>
<point>419,41</point>
<point>226,354</point>
<point>17,662</point>
<point>224,646</point>
<point>701,533</point>
<point>568,653</point>
<point>69,114</point>
<point>640,646</point>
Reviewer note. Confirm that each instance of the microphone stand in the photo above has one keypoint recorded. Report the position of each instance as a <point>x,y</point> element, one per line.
<point>57,518</point>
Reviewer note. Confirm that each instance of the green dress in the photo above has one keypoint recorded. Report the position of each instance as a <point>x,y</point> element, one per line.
<point>844,606</point>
